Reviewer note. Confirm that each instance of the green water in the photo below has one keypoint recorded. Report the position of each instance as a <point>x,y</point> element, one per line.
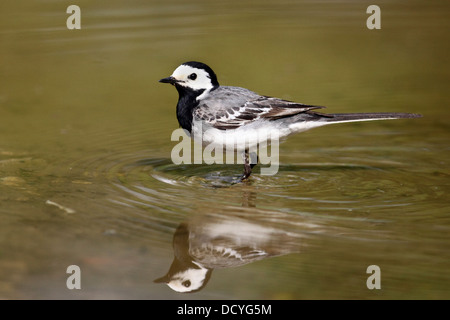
<point>86,177</point>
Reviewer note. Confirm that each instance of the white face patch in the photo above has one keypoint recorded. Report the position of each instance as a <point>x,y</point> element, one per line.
<point>193,277</point>
<point>196,79</point>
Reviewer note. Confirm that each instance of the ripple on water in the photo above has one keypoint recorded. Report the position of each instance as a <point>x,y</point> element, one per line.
<point>157,193</point>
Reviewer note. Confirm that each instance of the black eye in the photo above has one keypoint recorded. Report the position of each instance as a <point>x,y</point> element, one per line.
<point>192,76</point>
<point>187,283</point>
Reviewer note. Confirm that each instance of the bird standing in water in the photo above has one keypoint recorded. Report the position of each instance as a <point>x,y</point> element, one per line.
<point>239,116</point>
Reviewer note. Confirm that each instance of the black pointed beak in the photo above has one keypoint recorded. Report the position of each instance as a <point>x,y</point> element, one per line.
<point>170,80</point>
<point>164,279</point>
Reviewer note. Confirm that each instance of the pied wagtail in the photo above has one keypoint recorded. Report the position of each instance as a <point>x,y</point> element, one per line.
<point>211,242</point>
<point>228,113</point>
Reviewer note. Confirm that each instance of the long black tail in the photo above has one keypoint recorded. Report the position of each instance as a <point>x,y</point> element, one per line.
<point>349,117</point>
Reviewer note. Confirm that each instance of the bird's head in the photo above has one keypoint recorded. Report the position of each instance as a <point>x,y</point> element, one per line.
<point>193,77</point>
<point>187,280</point>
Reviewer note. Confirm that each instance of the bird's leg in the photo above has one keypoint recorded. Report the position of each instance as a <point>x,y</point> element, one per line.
<point>247,167</point>
<point>250,160</point>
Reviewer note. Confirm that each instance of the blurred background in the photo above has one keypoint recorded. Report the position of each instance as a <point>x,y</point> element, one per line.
<point>86,177</point>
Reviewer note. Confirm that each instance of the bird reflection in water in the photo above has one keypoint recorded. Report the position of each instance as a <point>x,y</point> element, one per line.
<point>214,241</point>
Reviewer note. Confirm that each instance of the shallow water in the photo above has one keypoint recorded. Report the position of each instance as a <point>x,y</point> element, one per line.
<point>86,176</point>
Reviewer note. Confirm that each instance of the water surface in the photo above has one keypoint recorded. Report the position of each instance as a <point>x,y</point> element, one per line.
<point>85,171</point>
